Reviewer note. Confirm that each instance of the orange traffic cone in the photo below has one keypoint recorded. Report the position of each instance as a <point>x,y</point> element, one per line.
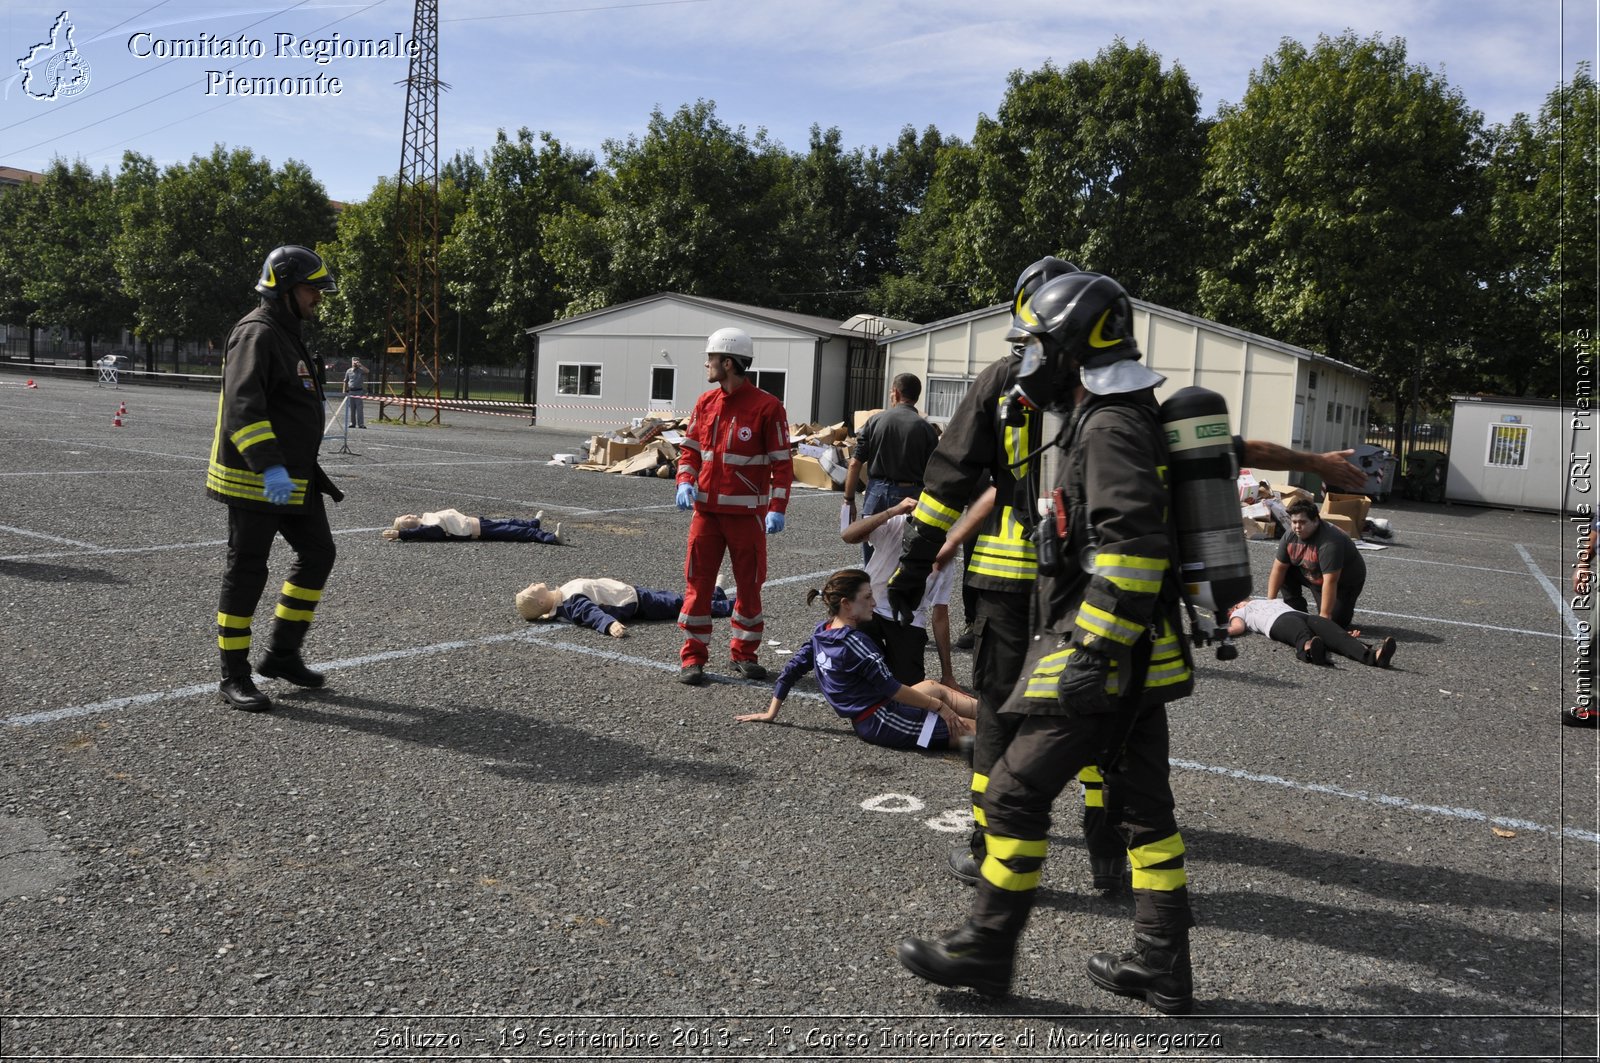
<point>116,420</point>
<point>122,409</point>
<point>31,384</point>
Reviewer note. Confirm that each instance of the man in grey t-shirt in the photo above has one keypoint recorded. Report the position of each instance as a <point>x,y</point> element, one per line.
<point>355,386</point>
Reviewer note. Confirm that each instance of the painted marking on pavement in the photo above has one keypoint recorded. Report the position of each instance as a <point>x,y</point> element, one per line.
<point>1464,623</point>
<point>1390,801</point>
<point>50,538</point>
<point>546,639</point>
<point>1550,588</point>
<point>107,551</point>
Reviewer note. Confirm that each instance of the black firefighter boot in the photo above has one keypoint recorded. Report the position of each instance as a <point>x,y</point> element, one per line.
<point>1157,970</point>
<point>283,660</point>
<point>236,689</point>
<point>982,960</point>
<point>966,862</point>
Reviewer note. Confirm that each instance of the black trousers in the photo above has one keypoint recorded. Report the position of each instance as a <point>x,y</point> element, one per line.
<point>905,647</point>
<point>1294,592</point>
<point>1045,754</point>
<point>250,537</point>
<point>1295,629</point>
<point>1002,636</point>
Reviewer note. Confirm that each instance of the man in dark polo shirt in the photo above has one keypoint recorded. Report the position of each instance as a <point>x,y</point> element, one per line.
<point>1318,555</point>
<point>894,447</point>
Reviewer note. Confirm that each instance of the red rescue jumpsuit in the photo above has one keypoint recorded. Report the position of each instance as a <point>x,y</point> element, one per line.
<point>737,456</point>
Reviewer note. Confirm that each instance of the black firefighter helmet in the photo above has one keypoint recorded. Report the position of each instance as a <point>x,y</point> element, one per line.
<point>1075,321</point>
<point>292,264</point>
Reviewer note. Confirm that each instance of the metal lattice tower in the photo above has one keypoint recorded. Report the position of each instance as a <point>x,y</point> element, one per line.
<point>411,334</point>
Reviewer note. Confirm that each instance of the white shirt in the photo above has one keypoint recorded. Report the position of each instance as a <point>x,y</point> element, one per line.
<point>601,592</point>
<point>1259,614</point>
<point>885,542</point>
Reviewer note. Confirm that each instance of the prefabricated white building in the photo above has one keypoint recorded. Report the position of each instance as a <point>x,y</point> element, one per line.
<point>648,356</point>
<point>1275,391</point>
<point>1520,453</point>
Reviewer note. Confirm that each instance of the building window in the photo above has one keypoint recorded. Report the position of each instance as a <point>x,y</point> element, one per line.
<point>1508,446</point>
<point>944,394</point>
<point>1312,380</point>
<point>1329,418</point>
<point>578,380</point>
<point>663,383</point>
<point>769,380</point>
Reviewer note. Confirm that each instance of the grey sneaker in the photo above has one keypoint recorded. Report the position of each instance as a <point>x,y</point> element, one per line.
<point>692,675</point>
<point>748,669</point>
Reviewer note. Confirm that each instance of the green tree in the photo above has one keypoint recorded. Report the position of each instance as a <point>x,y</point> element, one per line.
<point>20,209</point>
<point>1568,195</point>
<point>193,242</point>
<point>498,272</point>
<point>73,280</point>
<point>693,206</point>
<point>1341,190</point>
<point>1099,162</point>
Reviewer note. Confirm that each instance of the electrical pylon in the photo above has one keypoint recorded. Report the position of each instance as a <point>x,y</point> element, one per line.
<point>409,365</point>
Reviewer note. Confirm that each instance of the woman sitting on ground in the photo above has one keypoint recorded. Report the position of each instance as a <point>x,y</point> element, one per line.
<point>857,682</point>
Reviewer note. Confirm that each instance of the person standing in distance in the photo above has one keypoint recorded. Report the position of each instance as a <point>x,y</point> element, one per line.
<point>264,468</point>
<point>734,471</point>
<point>355,390</point>
<point>894,447</point>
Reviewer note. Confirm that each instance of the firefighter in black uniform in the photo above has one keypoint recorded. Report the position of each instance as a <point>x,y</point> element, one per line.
<point>975,446</point>
<point>1108,658</point>
<point>264,468</point>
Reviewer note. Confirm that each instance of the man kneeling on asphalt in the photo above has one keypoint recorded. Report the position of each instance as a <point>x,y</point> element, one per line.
<point>1318,555</point>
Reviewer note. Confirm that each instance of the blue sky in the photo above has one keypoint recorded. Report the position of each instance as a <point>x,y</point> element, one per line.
<point>589,70</point>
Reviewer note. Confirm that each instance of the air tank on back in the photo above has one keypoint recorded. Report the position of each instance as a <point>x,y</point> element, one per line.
<point>1204,478</point>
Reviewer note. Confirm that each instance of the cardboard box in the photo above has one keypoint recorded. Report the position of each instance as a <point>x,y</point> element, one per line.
<point>1355,507</point>
<point>618,450</point>
<point>834,433</point>
<point>1259,529</point>
<point>809,471</point>
<point>1290,495</point>
<point>1343,523</point>
<point>862,417</point>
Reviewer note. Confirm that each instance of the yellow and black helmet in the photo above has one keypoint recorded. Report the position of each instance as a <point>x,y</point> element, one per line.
<point>292,264</point>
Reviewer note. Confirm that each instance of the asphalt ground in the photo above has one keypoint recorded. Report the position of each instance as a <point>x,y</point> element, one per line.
<point>492,839</point>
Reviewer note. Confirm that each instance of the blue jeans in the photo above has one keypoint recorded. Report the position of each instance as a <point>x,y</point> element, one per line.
<point>881,495</point>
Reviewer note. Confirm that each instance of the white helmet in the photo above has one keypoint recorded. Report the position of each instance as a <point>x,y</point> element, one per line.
<point>734,343</point>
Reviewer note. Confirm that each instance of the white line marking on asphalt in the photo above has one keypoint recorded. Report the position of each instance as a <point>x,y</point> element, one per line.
<point>544,638</point>
<point>1393,802</point>
<point>1464,623</point>
<point>1550,588</point>
<point>41,535</point>
<point>109,550</point>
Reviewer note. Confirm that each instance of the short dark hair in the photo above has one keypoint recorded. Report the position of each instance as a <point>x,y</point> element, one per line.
<point>909,386</point>
<point>1304,508</point>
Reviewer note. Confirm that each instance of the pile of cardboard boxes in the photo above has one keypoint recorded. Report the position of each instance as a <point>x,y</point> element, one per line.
<point>649,447</point>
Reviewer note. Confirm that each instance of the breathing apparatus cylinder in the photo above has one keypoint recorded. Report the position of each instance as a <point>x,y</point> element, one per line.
<point>1215,566</point>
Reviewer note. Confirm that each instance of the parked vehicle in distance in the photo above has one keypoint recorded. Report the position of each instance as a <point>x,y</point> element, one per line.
<point>118,362</point>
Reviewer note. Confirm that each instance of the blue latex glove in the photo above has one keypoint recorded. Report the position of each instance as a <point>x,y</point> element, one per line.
<point>279,486</point>
<point>685,496</point>
<point>774,523</point>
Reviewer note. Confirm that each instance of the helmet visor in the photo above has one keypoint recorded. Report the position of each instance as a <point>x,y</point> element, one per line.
<point>1032,348</point>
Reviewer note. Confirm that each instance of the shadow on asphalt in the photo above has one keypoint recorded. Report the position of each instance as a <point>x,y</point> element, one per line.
<point>40,573</point>
<point>518,746</point>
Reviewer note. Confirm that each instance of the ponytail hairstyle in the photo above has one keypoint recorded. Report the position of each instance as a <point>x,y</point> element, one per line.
<point>841,586</point>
